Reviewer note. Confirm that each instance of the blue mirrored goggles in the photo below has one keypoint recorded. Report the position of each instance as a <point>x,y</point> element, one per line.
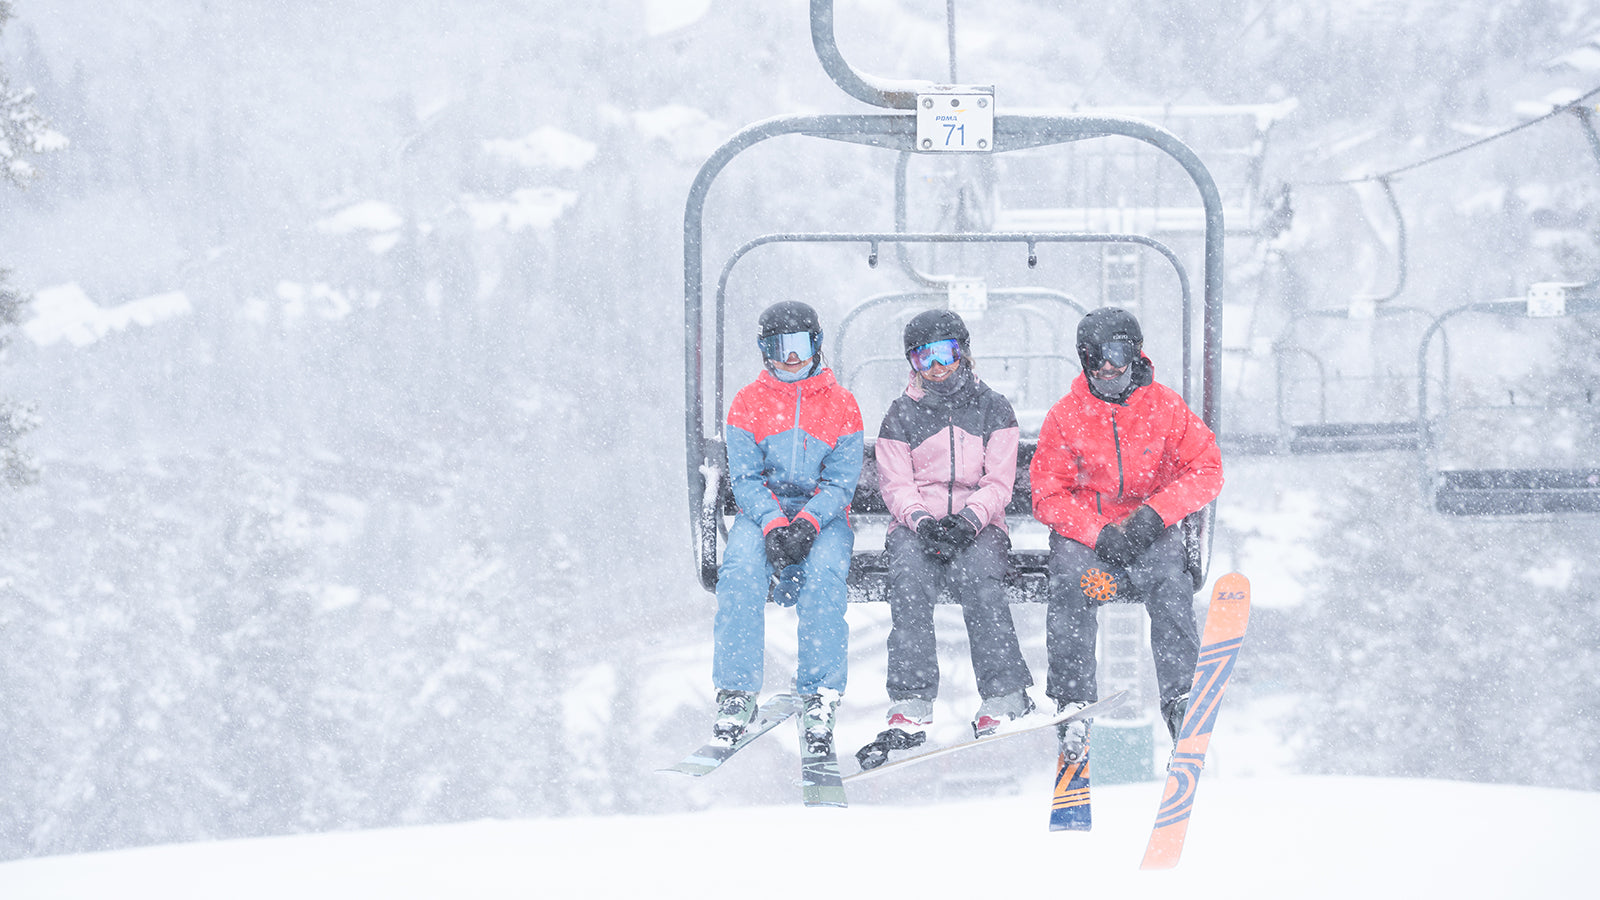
<point>778,347</point>
<point>941,353</point>
<point>1118,353</point>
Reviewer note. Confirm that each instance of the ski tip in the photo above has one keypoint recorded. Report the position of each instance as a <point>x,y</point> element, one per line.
<point>1233,581</point>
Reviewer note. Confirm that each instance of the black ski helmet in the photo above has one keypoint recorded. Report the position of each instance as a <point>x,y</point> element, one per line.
<point>790,317</point>
<point>1108,323</point>
<point>936,325</point>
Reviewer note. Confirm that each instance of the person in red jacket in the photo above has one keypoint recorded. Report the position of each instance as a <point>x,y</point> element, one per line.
<point>1121,461</point>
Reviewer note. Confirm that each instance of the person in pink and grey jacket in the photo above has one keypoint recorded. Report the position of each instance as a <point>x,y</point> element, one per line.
<point>947,459</point>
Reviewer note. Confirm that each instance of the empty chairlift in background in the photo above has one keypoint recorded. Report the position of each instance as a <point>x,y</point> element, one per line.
<point>1346,377</point>
<point>1517,427</point>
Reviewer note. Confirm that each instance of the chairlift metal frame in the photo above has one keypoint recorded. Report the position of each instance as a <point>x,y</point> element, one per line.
<point>706,467</point>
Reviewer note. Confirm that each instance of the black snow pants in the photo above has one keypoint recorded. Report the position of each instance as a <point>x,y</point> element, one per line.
<point>976,579</point>
<point>1159,579</point>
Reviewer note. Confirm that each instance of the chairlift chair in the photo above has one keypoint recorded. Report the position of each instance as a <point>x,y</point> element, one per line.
<point>1496,491</point>
<point>710,497</point>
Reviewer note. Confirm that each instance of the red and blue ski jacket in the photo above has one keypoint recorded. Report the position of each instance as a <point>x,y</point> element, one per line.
<point>1098,461</point>
<point>794,450</point>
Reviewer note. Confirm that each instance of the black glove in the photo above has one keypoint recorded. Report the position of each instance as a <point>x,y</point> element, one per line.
<point>790,544</point>
<point>959,532</point>
<point>1114,547</point>
<point>775,555</point>
<point>1142,528</point>
<point>1126,541</point>
<point>934,541</point>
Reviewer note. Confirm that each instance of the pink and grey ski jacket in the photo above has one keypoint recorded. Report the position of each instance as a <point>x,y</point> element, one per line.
<point>948,454</point>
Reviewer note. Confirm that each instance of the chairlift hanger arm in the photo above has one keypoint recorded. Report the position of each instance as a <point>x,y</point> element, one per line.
<point>1586,119</point>
<point>1400,242</point>
<point>885,92</point>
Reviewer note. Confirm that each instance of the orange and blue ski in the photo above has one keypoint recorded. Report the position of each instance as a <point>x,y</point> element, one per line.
<point>1226,620</point>
<point>1069,808</point>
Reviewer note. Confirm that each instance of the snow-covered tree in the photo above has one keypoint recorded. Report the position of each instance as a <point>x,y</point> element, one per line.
<point>24,131</point>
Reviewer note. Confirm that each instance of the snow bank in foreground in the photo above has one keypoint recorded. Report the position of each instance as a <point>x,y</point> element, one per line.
<point>1279,837</point>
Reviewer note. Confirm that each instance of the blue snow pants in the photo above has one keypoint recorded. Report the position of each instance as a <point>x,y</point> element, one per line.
<point>739,654</point>
<point>1159,579</point>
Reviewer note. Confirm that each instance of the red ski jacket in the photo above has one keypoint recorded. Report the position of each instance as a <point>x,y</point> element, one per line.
<point>1099,461</point>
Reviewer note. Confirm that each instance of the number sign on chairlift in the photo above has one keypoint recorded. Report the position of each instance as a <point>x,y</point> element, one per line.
<point>956,119</point>
<point>969,297</point>
<point>1548,299</point>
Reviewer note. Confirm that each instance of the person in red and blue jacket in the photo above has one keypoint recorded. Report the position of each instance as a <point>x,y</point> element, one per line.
<point>1121,461</point>
<point>795,444</point>
<point>947,463</point>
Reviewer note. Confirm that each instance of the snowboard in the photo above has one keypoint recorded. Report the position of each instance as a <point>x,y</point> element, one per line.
<point>1010,729</point>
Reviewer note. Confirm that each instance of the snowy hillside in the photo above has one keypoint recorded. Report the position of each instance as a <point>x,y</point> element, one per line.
<point>1266,838</point>
<point>342,363</point>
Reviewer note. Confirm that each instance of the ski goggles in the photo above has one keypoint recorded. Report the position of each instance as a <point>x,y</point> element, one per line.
<point>778,347</point>
<point>941,353</point>
<point>1118,353</point>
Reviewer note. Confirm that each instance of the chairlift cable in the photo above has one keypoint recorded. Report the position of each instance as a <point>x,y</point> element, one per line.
<point>1564,108</point>
<point>950,36</point>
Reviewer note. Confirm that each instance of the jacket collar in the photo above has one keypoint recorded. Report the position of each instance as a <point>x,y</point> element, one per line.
<point>1144,374</point>
<point>960,397</point>
<point>816,384</point>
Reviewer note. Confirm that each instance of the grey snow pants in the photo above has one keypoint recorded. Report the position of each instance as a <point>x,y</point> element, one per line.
<point>976,579</point>
<point>1159,579</point>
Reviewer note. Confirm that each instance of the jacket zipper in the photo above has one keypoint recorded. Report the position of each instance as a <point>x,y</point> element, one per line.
<point>1116,442</point>
<point>794,453</point>
<point>950,491</point>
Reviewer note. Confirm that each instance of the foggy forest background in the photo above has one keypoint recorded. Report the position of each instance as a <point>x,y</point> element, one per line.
<point>385,524</point>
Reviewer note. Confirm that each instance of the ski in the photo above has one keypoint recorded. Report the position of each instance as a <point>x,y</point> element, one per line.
<point>1010,729</point>
<point>1226,620</point>
<point>1069,807</point>
<point>714,753</point>
<point>820,784</point>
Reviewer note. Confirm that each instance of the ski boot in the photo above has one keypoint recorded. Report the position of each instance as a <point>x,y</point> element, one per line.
<point>1073,736</point>
<point>997,711</point>
<point>816,719</point>
<point>1173,712</point>
<point>735,711</point>
<point>908,722</point>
